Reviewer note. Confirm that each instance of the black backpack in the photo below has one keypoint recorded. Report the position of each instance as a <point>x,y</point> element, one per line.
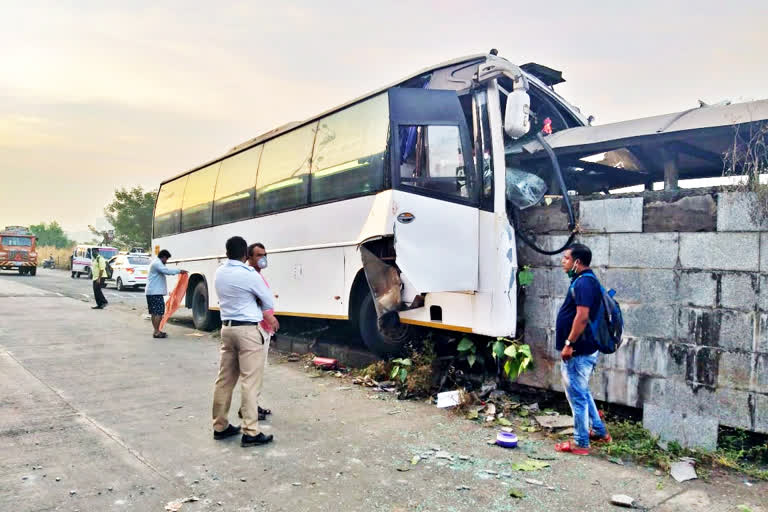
<point>608,324</point>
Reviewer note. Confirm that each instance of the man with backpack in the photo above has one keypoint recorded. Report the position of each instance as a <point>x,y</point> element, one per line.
<point>577,338</point>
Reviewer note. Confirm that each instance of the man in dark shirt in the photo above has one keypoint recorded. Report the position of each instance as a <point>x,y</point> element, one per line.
<point>578,348</point>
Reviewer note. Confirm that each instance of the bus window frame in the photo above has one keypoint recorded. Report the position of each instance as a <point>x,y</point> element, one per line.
<point>440,108</point>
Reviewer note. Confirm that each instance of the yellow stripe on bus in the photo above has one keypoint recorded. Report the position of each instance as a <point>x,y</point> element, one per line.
<point>312,315</point>
<point>436,325</point>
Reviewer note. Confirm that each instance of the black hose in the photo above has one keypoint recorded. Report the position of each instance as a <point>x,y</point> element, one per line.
<point>566,199</point>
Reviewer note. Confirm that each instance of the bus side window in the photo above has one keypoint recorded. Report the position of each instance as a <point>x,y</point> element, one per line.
<point>431,158</point>
<point>350,148</point>
<point>283,177</point>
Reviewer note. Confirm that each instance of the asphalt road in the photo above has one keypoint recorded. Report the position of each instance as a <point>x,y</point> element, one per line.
<point>95,414</point>
<point>62,284</point>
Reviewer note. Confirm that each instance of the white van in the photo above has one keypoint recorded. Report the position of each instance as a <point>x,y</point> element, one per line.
<point>82,257</point>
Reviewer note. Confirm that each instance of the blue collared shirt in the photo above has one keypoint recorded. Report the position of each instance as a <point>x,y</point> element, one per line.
<point>156,284</point>
<point>238,286</point>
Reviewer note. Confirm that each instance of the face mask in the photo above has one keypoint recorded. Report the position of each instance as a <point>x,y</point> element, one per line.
<point>262,262</point>
<point>572,272</point>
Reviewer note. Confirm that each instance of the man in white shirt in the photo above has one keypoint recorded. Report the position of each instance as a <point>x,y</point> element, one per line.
<point>244,300</point>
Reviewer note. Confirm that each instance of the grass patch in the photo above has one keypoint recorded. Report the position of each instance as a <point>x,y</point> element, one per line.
<point>741,451</point>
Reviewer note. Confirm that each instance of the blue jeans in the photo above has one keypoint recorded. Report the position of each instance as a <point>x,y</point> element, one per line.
<point>575,374</point>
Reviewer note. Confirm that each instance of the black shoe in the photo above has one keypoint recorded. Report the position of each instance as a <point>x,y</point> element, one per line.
<point>230,431</point>
<point>264,411</point>
<point>97,307</point>
<point>256,440</point>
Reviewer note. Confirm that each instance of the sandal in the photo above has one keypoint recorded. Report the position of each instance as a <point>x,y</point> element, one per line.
<point>160,335</point>
<point>569,447</point>
<point>265,411</point>
<point>600,439</point>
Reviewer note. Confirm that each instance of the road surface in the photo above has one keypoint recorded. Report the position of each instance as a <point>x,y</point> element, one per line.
<point>97,415</point>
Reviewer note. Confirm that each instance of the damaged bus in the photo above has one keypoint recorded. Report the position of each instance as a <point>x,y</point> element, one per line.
<point>388,211</point>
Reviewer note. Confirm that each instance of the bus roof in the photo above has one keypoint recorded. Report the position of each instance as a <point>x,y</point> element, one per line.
<point>295,124</point>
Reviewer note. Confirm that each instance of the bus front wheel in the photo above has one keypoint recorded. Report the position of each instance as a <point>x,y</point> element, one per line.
<point>389,343</point>
<point>203,318</point>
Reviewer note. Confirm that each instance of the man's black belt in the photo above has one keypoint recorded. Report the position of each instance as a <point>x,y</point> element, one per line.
<point>235,323</point>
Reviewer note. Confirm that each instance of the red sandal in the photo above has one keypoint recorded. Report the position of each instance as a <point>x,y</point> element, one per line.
<point>569,447</point>
<point>600,439</point>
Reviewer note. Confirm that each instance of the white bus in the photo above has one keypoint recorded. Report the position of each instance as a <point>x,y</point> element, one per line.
<point>413,173</point>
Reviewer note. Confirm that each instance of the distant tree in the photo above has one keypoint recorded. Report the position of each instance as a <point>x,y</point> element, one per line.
<point>51,235</point>
<point>130,213</point>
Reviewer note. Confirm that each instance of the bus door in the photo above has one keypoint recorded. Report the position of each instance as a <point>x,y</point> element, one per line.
<point>436,191</point>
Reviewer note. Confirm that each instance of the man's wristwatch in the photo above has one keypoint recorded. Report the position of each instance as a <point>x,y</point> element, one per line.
<point>568,343</point>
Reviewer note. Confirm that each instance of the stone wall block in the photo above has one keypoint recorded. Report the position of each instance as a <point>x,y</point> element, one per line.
<point>650,320</point>
<point>688,429</point>
<point>642,285</point>
<point>697,288</point>
<point>600,247</point>
<point>720,251</point>
<point>739,291</point>
<point>644,250</point>
<point>688,214</point>
<point>761,413</point>
<point>760,373</point>
<point>623,215</point>
<point>733,212</point>
<point>735,370</point>
<point>737,331</point>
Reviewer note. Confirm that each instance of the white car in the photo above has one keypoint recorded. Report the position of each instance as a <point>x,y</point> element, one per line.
<point>128,270</point>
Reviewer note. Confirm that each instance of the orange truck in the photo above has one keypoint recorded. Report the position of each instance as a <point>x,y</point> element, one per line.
<point>18,250</point>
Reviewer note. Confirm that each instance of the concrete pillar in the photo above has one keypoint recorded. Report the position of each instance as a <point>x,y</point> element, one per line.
<point>669,157</point>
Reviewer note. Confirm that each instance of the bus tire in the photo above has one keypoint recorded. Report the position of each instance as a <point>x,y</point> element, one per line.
<point>377,342</point>
<point>203,318</point>
<point>33,271</point>
<point>73,274</point>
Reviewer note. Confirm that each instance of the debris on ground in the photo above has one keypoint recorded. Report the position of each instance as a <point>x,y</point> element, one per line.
<point>195,334</point>
<point>616,460</point>
<point>622,500</point>
<point>293,357</point>
<point>366,381</point>
<point>325,363</point>
<point>555,422</point>
<point>463,488</point>
<point>516,493</point>
<point>175,505</point>
<point>530,465</point>
<point>683,470</point>
<point>534,482</point>
<point>415,460</point>
<point>448,399</point>
<point>444,455</point>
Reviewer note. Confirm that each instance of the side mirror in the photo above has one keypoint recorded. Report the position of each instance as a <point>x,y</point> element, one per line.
<point>517,119</point>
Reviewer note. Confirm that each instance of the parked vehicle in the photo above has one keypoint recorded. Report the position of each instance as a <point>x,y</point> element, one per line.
<point>82,258</point>
<point>18,250</point>
<point>128,270</point>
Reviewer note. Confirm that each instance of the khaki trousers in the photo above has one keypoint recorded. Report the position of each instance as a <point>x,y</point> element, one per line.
<point>242,355</point>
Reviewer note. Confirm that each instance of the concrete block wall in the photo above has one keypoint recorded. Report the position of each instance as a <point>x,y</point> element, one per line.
<point>691,274</point>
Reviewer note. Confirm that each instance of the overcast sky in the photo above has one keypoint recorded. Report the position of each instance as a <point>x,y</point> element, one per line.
<point>96,95</point>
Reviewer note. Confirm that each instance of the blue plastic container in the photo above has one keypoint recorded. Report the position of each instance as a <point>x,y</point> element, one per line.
<point>506,439</point>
